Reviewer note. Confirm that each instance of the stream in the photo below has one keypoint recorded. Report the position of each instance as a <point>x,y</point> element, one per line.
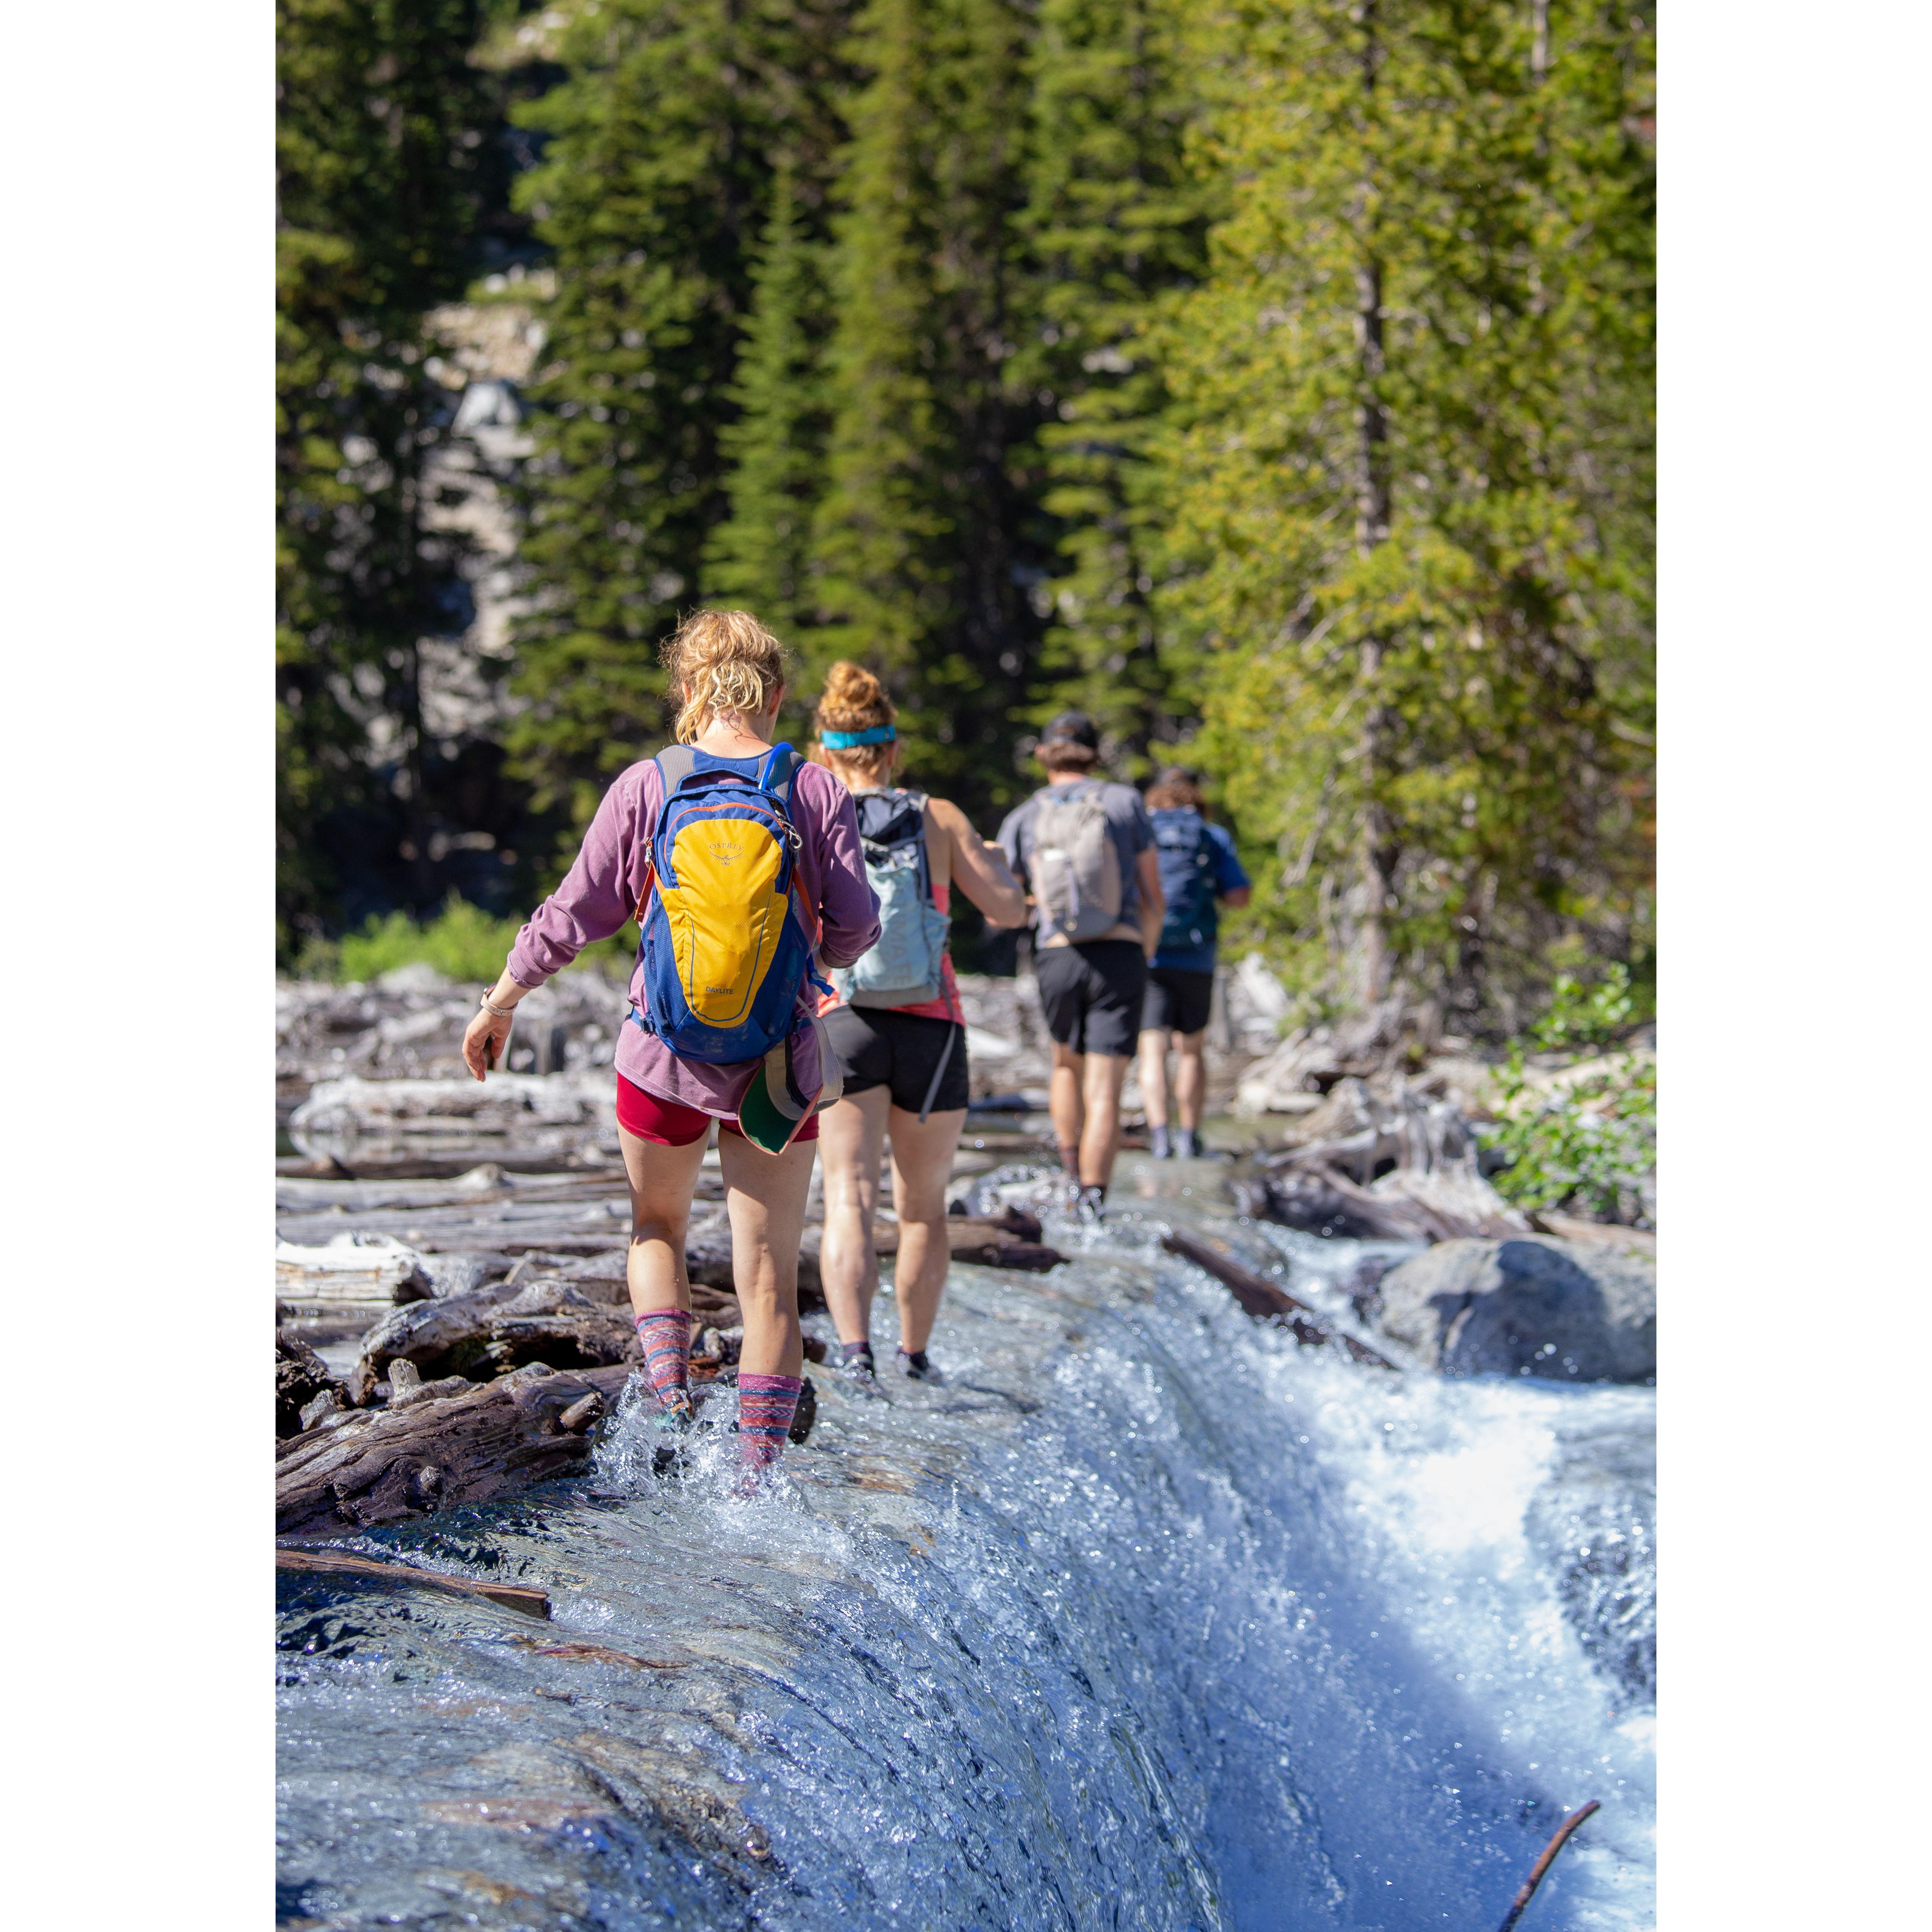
<point>1146,1618</point>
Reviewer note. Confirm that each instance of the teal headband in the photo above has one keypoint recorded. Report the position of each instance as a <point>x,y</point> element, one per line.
<point>843,741</point>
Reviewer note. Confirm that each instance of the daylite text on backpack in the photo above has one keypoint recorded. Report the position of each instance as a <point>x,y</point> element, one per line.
<point>1075,862</point>
<point>724,937</point>
<point>905,967</point>
<point>1187,879</point>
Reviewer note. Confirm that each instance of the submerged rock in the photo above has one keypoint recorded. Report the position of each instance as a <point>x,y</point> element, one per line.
<point>1571,1311</point>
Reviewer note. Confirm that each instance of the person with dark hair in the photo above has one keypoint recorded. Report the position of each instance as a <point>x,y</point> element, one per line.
<point>1085,848</point>
<point>1199,873</point>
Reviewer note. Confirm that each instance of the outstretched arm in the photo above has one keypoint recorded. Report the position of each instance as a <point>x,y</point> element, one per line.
<point>980,869</point>
<point>594,900</point>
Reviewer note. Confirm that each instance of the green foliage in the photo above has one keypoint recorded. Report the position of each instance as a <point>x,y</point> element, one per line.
<point>462,942</point>
<point>1114,221</point>
<point>1408,470</point>
<point>758,559</point>
<point>656,184</point>
<point>377,175</point>
<point>918,537</point>
<point>1586,1147</point>
<point>1272,378</point>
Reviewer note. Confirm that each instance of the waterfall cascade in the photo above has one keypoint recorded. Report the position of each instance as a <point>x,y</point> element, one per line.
<point>1145,1618</point>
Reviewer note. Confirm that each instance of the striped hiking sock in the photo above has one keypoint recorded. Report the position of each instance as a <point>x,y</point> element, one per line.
<point>664,1335</point>
<point>766,1406</point>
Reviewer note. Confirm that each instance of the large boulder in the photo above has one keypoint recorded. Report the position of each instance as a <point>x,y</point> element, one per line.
<point>1571,1311</point>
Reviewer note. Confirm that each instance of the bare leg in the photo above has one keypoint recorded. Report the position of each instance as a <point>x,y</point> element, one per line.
<point>1063,1100</point>
<point>851,1136</point>
<point>1190,1077</point>
<point>662,1181</point>
<point>921,1165</point>
<point>1154,1075</point>
<point>765,1195</point>
<point>1105,1074</point>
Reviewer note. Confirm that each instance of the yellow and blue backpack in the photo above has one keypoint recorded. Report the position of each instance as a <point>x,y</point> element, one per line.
<point>725,935</point>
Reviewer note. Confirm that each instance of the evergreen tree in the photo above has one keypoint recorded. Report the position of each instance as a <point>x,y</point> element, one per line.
<point>654,186</point>
<point>1410,474</point>
<point>379,161</point>
<point>758,558</point>
<point>918,546</point>
<point>1115,222</point>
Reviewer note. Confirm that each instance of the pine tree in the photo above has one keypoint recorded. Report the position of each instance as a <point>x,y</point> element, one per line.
<point>758,557</point>
<point>655,185</point>
<point>919,540</point>
<point>1410,474</point>
<point>379,133</point>
<point>1114,222</point>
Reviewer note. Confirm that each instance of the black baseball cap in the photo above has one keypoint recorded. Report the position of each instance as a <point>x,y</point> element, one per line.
<point>1072,728</point>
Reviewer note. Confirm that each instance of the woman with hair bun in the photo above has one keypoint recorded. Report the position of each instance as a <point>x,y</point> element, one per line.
<point>739,860</point>
<point>898,1028</point>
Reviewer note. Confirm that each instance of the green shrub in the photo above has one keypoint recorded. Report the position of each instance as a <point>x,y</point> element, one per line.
<point>1587,1149</point>
<point>463,942</point>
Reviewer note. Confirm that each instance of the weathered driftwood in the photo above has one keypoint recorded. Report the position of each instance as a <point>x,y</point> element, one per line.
<point>301,1378</point>
<point>1266,1300</point>
<point>339,1563</point>
<point>1393,1166</point>
<point>384,1466</point>
<point>989,1243</point>
<point>356,1267</point>
<point>481,1333</point>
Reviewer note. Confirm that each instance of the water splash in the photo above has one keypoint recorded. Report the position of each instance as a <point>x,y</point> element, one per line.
<point>1144,1618</point>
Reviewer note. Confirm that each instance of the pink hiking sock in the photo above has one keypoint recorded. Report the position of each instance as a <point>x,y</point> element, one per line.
<point>665,1337</point>
<point>766,1406</point>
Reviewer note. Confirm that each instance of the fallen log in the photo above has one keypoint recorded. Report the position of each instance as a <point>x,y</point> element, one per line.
<point>357,1267</point>
<point>492,1329</point>
<point>1267,1301</point>
<point>339,1563</point>
<point>987,1243</point>
<point>386,1465</point>
<point>301,1376</point>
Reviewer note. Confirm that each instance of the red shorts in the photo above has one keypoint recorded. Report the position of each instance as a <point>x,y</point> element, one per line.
<point>671,1123</point>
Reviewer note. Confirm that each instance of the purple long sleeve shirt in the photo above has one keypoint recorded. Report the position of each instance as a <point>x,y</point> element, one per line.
<point>602,889</point>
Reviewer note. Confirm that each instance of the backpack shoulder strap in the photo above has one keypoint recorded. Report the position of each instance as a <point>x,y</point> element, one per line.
<point>675,763</point>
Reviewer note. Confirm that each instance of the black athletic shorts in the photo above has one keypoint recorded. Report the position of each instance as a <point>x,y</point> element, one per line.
<point>1091,994</point>
<point>878,1047</point>
<point>1176,1002</point>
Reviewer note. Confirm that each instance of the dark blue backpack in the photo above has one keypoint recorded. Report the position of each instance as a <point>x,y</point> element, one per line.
<point>1187,879</point>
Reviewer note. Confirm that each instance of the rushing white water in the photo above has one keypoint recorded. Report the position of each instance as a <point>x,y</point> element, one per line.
<point>1146,1619</point>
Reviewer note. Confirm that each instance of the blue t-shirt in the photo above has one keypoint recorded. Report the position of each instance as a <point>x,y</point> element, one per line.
<point>1228,878</point>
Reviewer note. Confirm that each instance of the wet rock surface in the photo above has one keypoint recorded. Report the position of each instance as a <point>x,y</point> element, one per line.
<point>1569,1311</point>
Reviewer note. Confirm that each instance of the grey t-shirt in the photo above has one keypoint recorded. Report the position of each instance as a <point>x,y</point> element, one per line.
<point>1127,824</point>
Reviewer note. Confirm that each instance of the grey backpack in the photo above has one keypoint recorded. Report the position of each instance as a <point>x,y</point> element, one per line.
<point>1075,862</point>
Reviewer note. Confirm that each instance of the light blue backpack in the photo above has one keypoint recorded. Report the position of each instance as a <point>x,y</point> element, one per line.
<point>904,968</point>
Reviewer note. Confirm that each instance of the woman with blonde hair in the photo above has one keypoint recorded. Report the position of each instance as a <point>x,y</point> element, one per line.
<point>739,860</point>
<point>897,1027</point>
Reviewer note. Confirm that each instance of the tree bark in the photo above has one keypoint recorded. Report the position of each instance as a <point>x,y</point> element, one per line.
<point>386,1465</point>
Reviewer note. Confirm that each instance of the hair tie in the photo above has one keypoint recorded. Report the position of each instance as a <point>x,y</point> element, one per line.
<point>843,741</point>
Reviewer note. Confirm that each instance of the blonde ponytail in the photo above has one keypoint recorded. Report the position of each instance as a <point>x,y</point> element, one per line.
<point>722,663</point>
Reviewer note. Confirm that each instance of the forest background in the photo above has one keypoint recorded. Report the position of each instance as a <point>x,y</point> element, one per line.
<point>1273,380</point>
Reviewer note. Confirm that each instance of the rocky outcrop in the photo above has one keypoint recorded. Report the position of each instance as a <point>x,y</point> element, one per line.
<point>1570,1311</point>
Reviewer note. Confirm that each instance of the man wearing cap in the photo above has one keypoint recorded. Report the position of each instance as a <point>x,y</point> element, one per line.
<point>1095,886</point>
